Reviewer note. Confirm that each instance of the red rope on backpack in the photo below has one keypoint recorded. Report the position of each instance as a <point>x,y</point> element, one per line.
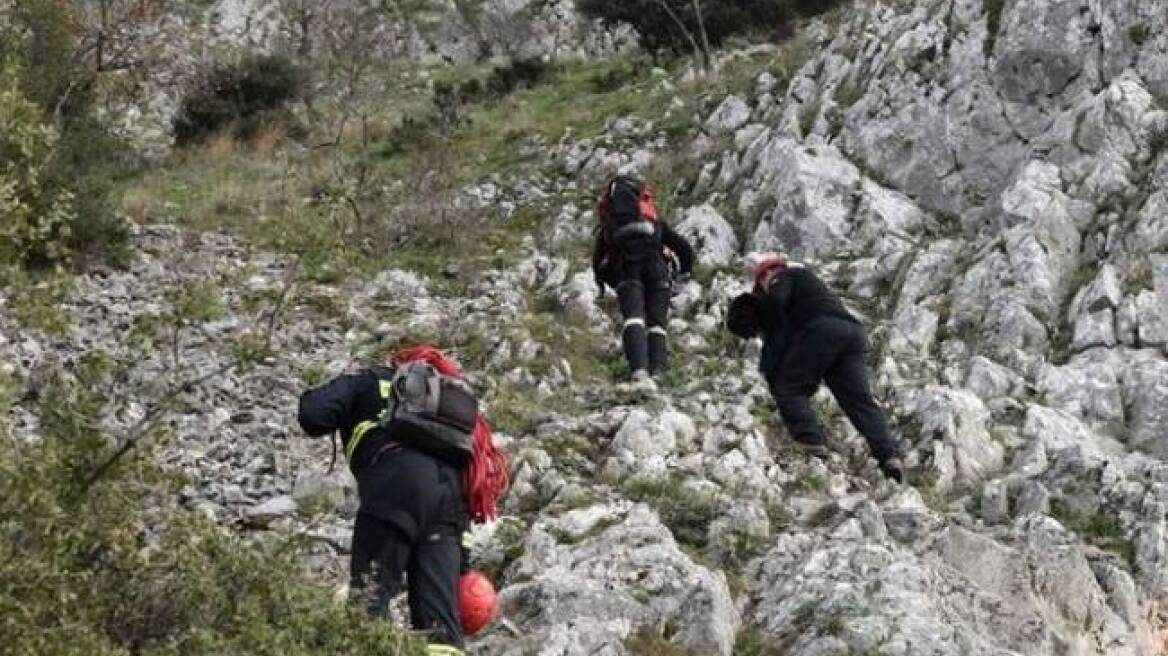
<point>485,478</point>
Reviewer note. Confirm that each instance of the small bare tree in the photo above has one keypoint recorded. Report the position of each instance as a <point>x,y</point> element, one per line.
<point>701,50</point>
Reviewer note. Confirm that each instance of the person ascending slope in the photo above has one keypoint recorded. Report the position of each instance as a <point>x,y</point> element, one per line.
<point>808,338</point>
<point>425,464</point>
<point>629,255</point>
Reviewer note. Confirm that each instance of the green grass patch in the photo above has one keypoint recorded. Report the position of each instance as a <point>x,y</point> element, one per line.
<point>1100,528</point>
<point>811,483</point>
<point>602,525</point>
<point>687,512</point>
<point>993,11</point>
<point>752,641</point>
<point>509,538</point>
<point>652,641</point>
<point>807,115</point>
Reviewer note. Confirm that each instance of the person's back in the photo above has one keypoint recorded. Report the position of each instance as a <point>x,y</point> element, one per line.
<point>803,297</point>
<point>629,255</point>
<point>417,491</point>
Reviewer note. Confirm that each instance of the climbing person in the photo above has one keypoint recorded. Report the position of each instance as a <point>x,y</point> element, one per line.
<point>630,255</point>
<point>809,337</point>
<point>426,465</point>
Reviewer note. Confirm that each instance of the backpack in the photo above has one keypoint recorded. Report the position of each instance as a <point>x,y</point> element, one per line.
<point>431,412</point>
<point>626,209</point>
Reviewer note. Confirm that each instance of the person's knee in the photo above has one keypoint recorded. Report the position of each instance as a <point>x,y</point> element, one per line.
<point>788,392</point>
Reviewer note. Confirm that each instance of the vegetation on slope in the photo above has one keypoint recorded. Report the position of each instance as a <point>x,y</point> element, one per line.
<point>116,569</point>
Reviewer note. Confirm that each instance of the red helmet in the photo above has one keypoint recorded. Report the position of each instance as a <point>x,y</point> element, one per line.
<point>477,601</point>
<point>763,266</point>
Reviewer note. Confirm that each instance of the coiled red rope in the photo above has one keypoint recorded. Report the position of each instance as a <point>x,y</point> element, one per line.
<point>485,478</point>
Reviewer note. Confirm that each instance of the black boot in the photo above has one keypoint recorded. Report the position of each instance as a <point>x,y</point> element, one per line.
<point>658,351</point>
<point>635,345</point>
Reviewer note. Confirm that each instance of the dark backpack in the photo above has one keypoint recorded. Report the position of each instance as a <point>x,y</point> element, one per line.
<point>626,210</point>
<point>431,412</point>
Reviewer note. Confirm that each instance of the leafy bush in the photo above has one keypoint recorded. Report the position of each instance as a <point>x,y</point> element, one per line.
<point>451,97</point>
<point>658,31</point>
<point>239,95</point>
<point>116,570</point>
<point>35,218</point>
<point>65,174</point>
<point>517,74</point>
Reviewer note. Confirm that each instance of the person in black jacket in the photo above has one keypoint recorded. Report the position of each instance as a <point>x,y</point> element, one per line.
<point>629,255</point>
<point>413,505</point>
<point>809,337</point>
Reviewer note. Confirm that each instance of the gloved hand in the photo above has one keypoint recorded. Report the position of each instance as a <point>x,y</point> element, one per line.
<point>464,541</point>
<point>600,286</point>
<point>893,468</point>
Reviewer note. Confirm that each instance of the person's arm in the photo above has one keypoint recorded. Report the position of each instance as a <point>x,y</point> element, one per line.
<point>599,252</point>
<point>329,407</point>
<point>680,247</point>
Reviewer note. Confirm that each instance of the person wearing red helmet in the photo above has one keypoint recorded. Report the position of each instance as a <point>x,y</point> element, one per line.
<point>426,465</point>
<point>809,338</point>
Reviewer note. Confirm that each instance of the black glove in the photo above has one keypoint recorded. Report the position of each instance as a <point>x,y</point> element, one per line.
<point>893,468</point>
<point>600,286</point>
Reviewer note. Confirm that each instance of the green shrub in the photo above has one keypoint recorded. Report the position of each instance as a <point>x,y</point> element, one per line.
<point>240,95</point>
<point>450,97</point>
<point>35,218</point>
<point>993,10</point>
<point>93,165</point>
<point>118,570</point>
<point>517,74</point>
<point>658,31</point>
<point>652,642</point>
<point>63,177</point>
<point>685,511</point>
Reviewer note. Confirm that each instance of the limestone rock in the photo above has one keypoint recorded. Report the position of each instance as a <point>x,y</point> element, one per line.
<point>710,235</point>
<point>613,577</point>
<point>814,189</point>
<point>270,511</point>
<point>958,423</point>
<point>732,114</point>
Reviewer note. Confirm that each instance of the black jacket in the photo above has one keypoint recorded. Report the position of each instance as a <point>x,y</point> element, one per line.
<point>794,298</point>
<point>343,404</point>
<point>606,256</point>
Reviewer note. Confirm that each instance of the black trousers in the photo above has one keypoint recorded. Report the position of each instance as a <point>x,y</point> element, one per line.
<point>829,350</point>
<point>409,525</point>
<point>644,294</point>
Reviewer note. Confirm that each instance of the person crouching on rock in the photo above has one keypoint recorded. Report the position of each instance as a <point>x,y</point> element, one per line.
<point>425,464</point>
<point>809,338</point>
<point>629,255</point>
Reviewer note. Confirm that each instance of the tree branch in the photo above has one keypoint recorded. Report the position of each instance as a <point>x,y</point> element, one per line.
<point>701,61</point>
<point>161,406</point>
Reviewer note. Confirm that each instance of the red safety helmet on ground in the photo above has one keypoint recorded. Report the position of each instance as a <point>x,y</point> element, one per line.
<point>477,601</point>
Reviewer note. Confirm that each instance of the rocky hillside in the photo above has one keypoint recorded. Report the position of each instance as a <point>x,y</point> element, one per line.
<point>987,182</point>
